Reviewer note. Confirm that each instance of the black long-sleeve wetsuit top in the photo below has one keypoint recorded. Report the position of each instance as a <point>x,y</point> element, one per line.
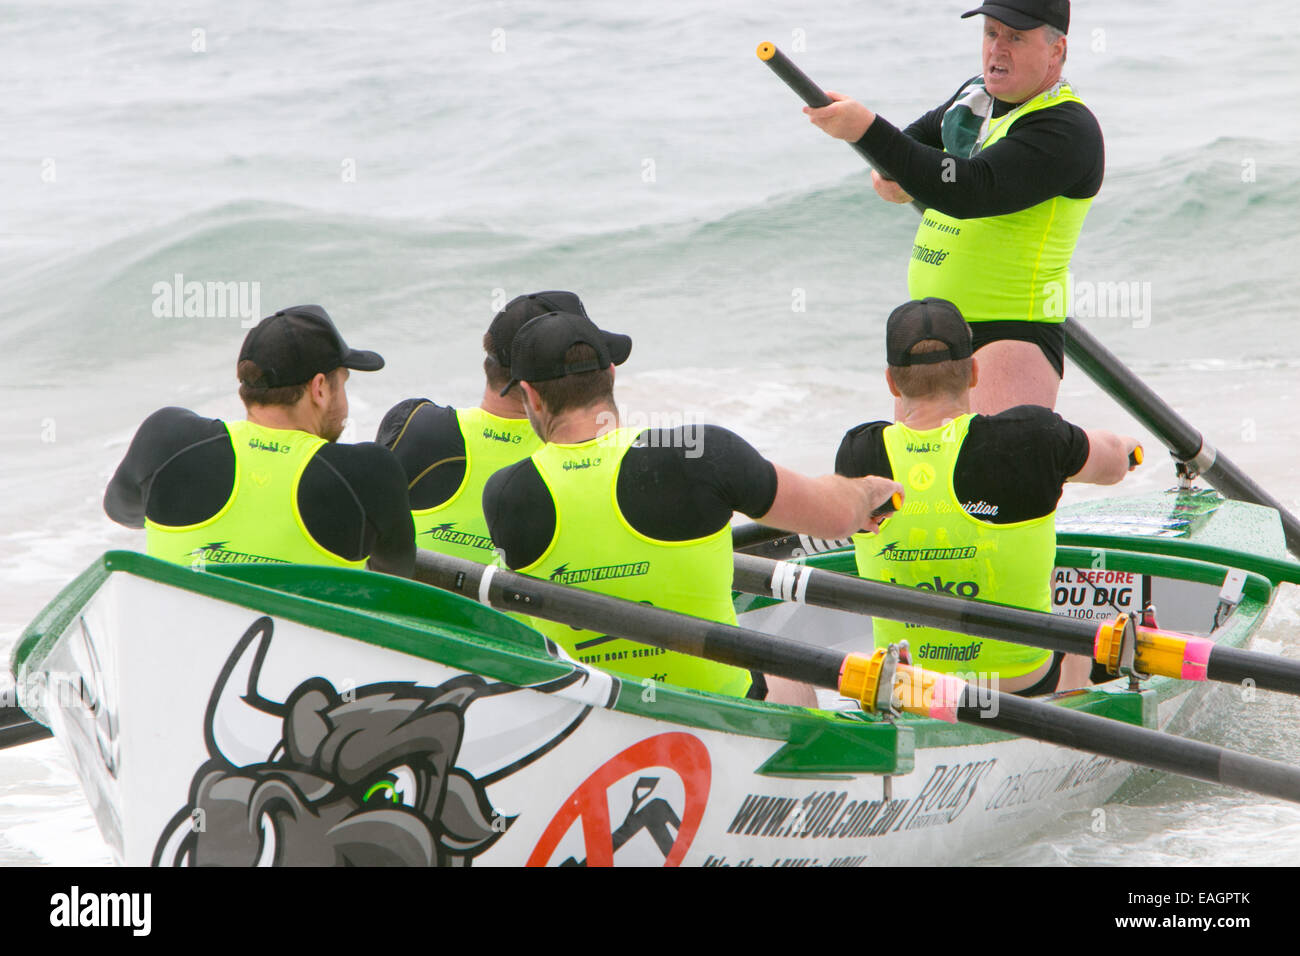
<point>1046,153</point>
<point>180,470</point>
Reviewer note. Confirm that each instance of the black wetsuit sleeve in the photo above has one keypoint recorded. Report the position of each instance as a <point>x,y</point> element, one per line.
<point>427,440</point>
<point>1046,153</point>
<point>353,501</point>
<point>173,441</point>
<point>520,513</point>
<point>1014,464</point>
<point>677,484</point>
<point>862,452</point>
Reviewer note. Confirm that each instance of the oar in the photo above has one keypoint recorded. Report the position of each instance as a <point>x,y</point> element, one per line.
<point>754,538</point>
<point>813,95</point>
<point>1157,651</point>
<point>17,728</point>
<point>866,679</point>
<point>1184,442</point>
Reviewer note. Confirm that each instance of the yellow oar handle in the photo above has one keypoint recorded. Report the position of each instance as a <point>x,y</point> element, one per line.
<point>915,691</point>
<point>1135,456</point>
<point>766,51</point>
<point>1166,653</point>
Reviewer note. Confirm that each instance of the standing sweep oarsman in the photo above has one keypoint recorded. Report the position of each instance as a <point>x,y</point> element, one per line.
<point>449,453</point>
<point>276,487</point>
<point>1007,169</point>
<point>982,490</point>
<point>644,514</point>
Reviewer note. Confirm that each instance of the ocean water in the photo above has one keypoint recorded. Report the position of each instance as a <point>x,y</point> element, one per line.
<point>412,167</point>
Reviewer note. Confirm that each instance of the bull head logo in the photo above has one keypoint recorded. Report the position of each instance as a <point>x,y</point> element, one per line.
<point>362,779</point>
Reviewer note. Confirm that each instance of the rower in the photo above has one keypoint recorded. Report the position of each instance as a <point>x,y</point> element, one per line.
<point>1007,169</point>
<point>449,453</point>
<point>981,497</point>
<point>644,514</point>
<point>277,487</point>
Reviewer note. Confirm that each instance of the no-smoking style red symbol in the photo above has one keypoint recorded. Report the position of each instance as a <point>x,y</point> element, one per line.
<point>683,754</point>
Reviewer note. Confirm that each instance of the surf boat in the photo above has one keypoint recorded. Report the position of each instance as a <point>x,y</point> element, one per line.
<point>254,715</point>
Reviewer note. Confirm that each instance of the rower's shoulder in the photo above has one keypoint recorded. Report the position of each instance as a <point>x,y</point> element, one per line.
<point>860,450</point>
<point>171,430</point>
<point>364,466</point>
<point>1025,430</point>
<point>174,420</point>
<point>414,417</point>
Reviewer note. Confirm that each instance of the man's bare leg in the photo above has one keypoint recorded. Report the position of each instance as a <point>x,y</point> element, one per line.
<point>1013,373</point>
<point>782,691</point>
<point>1076,672</point>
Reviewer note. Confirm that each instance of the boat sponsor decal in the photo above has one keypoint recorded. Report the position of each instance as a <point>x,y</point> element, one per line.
<point>1095,594</point>
<point>791,861</point>
<point>661,785</point>
<point>562,574</point>
<point>1017,789</point>
<point>216,552</point>
<point>831,815</point>
<point>365,777</point>
<point>892,552</point>
<point>447,532</point>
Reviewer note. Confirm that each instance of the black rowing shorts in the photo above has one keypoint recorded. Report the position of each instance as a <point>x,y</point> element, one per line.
<point>1048,336</point>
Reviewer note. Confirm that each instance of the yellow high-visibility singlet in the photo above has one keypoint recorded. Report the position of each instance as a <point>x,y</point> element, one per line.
<point>933,543</point>
<point>457,526</point>
<point>260,521</point>
<point>595,548</point>
<point>1002,267</point>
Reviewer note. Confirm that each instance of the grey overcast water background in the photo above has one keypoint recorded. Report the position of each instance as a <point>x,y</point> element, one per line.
<point>411,166</point>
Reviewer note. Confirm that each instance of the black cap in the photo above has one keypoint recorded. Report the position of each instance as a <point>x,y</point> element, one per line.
<point>1027,14</point>
<point>537,354</point>
<point>922,319</point>
<point>523,309</point>
<point>295,344</point>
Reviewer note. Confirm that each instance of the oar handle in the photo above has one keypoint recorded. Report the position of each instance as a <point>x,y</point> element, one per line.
<point>1135,457</point>
<point>774,542</point>
<point>813,95</point>
<point>795,78</point>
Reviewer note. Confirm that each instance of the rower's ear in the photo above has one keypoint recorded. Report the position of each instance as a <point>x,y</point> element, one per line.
<point>893,389</point>
<point>531,398</point>
<point>974,371</point>
<point>319,388</point>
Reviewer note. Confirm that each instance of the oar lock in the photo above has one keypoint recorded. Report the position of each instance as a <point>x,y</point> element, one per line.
<point>1116,649</point>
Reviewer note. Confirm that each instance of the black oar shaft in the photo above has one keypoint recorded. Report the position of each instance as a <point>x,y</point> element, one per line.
<point>1184,441</point>
<point>843,592</point>
<point>22,732</point>
<point>1112,738</point>
<point>737,646</point>
<point>814,96</point>
<point>755,575</point>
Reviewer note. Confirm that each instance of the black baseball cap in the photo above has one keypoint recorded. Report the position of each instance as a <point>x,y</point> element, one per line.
<point>295,344</point>
<point>523,309</point>
<point>922,319</point>
<point>1027,14</point>
<point>537,354</point>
